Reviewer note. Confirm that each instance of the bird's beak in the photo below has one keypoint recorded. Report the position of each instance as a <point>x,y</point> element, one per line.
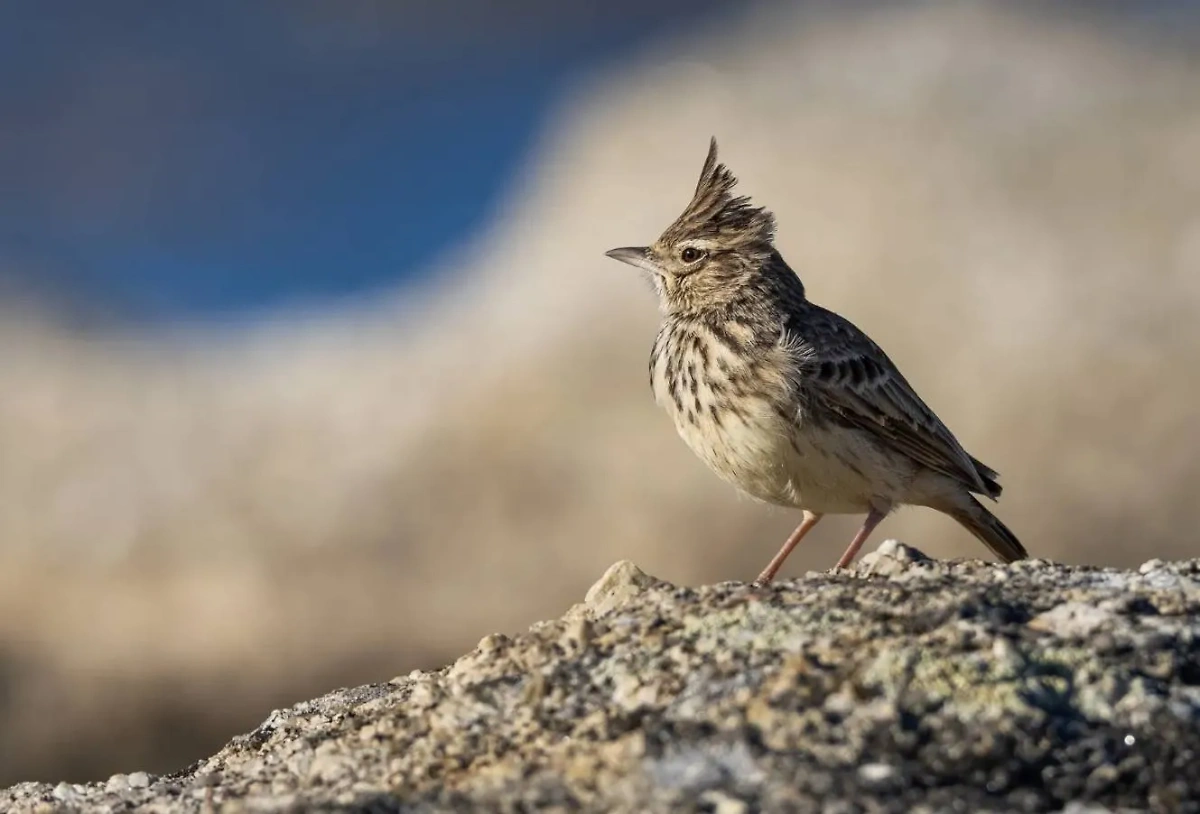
<point>638,256</point>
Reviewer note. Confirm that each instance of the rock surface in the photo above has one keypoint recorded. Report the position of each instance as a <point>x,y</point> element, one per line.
<point>904,684</point>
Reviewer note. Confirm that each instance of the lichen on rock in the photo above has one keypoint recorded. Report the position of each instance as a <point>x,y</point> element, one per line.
<point>903,682</point>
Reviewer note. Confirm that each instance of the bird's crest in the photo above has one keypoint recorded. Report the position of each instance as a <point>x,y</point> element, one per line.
<point>715,212</point>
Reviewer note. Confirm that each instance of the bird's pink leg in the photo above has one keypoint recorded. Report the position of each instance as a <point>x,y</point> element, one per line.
<point>775,564</point>
<point>868,526</point>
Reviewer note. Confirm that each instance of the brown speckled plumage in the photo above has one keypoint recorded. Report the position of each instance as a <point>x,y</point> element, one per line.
<point>787,401</point>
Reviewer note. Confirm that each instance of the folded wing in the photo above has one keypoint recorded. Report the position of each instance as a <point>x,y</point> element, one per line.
<point>859,384</point>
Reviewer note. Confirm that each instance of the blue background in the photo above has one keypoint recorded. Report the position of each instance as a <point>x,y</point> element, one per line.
<point>160,160</point>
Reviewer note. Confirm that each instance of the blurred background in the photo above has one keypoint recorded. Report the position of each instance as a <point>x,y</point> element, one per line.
<point>312,369</point>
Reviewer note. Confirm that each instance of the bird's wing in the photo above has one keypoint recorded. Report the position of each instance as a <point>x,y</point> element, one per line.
<point>862,388</point>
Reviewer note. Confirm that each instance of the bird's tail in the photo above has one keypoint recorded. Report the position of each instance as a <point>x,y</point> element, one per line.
<point>972,516</point>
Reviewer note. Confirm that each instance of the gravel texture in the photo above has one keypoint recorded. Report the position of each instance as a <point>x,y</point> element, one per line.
<point>904,684</point>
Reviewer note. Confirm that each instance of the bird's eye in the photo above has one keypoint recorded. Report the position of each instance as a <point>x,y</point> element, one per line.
<point>690,254</point>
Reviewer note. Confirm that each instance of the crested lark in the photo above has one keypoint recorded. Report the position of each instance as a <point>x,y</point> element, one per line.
<point>789,402</point>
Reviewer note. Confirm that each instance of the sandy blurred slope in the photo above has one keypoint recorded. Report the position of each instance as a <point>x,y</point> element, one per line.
<point>196,527</point>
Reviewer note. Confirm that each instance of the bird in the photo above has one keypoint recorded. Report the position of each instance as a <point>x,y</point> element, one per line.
<point>788,401</point>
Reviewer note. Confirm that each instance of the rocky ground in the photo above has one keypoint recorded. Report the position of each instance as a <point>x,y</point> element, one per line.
<point>905,684</point>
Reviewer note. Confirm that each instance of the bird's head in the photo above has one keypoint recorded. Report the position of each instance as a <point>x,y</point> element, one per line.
<point>716,247</point>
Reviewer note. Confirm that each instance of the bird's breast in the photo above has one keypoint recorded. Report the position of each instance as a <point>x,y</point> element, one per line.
<point>740,409</point>
<point>732,405</point>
